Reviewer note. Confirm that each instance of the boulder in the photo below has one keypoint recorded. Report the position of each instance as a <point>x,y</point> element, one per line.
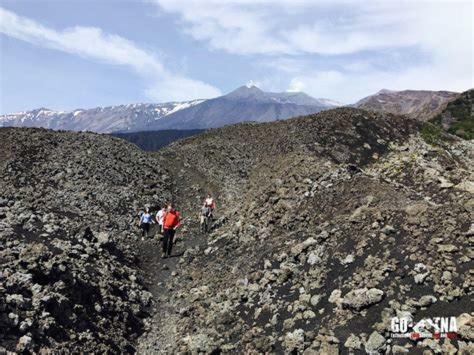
<point>353,342</point>
<point>375,344</point>
<point>362,298</point>
<point>447,248</point>
<point>294,341</point>
<point>24,344</point>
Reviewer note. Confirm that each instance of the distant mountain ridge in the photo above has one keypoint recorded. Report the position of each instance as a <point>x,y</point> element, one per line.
<point>243,104</point>
<point>99,119</point>
<point>419,104</point>
<point>246,103</point>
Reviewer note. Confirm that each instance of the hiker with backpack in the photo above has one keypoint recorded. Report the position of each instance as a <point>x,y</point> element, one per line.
<point>206,215</point>
<point>205,218</point>
<point>146,220</point>
<point>209,202</point>
<point>171,221</point>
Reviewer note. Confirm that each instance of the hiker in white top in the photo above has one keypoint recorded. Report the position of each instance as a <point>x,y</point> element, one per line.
<point>159,217</point>
<point>209,202</point>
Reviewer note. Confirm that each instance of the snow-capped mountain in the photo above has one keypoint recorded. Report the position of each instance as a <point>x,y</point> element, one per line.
<point>131,117</point>
<point>247,103</point>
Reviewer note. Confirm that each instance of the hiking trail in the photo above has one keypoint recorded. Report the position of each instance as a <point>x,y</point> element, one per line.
<point>188,187</point>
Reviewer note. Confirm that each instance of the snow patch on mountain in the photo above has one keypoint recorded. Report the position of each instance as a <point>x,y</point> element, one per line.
<point>247,102</point>
<point>183,105</point>
<point>99,119</point>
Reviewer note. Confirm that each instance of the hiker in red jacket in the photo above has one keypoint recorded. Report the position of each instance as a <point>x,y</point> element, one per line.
<point>170,224</point>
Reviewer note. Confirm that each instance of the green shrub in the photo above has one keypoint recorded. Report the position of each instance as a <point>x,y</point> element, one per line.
<point>463,129</point>
<point>459,116</point>
<point>431,133</point>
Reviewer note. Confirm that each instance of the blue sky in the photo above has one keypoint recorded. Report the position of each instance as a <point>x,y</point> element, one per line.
<point>68,54</point>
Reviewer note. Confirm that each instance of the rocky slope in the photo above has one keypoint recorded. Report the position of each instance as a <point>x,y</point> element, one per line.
<point>155,140</point>
<point>327,227</point>
<point>418,104</point>
<point>330,225</point>
<point>69,281</point>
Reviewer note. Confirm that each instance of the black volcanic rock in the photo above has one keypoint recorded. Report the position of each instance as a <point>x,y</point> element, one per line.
<point>326,227</point>
<point>69,280</point>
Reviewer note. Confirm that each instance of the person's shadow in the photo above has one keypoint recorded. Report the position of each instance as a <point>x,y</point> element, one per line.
<point>176,255</point>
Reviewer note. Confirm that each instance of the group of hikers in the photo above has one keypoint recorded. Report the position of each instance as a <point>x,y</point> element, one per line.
<point>168,220</point>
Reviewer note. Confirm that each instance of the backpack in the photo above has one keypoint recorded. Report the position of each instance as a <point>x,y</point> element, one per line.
<point>206,211</point>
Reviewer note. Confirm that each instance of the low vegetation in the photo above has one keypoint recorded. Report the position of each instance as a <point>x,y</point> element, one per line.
<point>456,119</point>
<point>431,132</point>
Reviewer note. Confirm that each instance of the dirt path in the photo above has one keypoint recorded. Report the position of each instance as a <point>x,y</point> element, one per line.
<point>161,333</point>
<point>158,271</point>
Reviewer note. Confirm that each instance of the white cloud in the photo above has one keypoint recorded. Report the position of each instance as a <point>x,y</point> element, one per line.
<point>444,33</point>
<point>234,26</point>
<point>93,43</point>
<point>172,87</point>
<point>286,34</point>
<point>349,87</point>
<point>334,49</point>
<point>296,85</point>
<point>251,83</point>
<point>286,65</point>
<point>280,27</point>
<point>292,27</point>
